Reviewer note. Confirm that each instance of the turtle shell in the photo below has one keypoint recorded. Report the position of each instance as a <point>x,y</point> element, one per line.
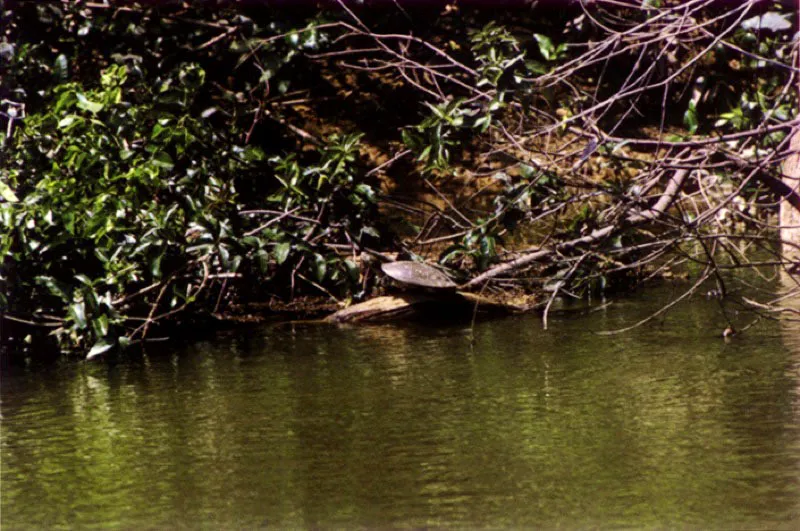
<point>418,274</point>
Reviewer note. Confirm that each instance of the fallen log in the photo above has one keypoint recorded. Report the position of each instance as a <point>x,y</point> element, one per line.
<point>442,306</point>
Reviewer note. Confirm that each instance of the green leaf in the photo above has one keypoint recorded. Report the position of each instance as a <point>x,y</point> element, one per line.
<point>7,193</point>
<point>281,252</point>
<point>488,247</point>
<point>410,139</point>
<point>483,122</point>
<point>100,325</point>
<point>352,270</point>
<point>546,47</point>
<point>61,68</point>
<point>367,191</point>
<point>251,241</point>
<point>535,67</point>
<point>155,266</point>
<point>67,121</point>
<point>254,154</point>
<point>425,153</point>
<point>53,286</point>
<point>320,267</point>
<point>262,259</point>
<point>88,105</point>
<point>235,262</point>
<point>451,253</point>
<point>163,160</point>
<point>78,313</point>
<point>526,171</point>
<point>100,347</point>
<point>224,256</point>
<point>690,118</point>
<point>83,279</point>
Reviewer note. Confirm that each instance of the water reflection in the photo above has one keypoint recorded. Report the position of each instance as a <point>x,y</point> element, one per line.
<point>309,425</point>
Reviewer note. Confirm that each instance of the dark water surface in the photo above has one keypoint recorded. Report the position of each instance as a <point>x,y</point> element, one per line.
<point>314,425</point>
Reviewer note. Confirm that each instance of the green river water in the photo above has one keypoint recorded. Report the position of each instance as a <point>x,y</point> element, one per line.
<point>418,425</point>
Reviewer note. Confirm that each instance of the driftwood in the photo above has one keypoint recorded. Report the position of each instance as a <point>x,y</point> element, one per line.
<point>441,306</point>
<point>380,308</point>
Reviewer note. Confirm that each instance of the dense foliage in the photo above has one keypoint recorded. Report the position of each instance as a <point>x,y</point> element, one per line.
<point>157,164</point>
<point>128,199</point>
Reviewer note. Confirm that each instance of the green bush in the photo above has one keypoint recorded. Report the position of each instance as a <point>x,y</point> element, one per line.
<point>121,210</point>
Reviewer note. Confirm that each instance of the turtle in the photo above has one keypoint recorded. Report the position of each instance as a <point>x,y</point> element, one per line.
<point>419,275</point>
<point>433,282</point>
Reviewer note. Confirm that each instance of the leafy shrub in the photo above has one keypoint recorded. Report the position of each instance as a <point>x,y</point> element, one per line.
<point>121,209</point>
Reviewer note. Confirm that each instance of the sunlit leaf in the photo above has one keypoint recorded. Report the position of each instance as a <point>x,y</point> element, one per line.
<point>7,193</point>
<point>101,347</point>
<point>163,160</point>
<point>546,47</point>
<point>67,121</point>
<point>100,325</point>
<point>78,313</point>
<point>83,279</point>
<point>88,105</point>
